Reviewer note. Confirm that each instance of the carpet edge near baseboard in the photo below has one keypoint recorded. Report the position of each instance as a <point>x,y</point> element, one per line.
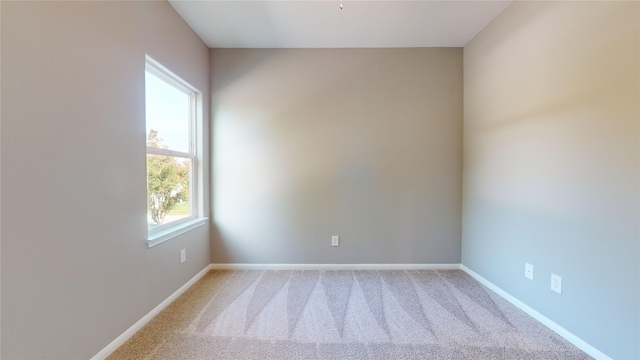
<point>566,334</point>
<point>120,340</point>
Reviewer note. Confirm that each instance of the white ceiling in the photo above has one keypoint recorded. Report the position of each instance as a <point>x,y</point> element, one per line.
<point>321,23</point>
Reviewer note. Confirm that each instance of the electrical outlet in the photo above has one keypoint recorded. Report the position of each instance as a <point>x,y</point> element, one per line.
<point>335,240</point>
<point>183,255</point>
<point>556,283</point>
<point>528,271</point>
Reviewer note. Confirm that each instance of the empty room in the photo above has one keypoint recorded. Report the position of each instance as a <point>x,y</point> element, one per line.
<point>320,179</point>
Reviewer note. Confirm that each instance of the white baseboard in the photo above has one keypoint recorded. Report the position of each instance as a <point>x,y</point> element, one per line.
<point>335,266</point>
<point>569,336</point>
<point>142,322</point>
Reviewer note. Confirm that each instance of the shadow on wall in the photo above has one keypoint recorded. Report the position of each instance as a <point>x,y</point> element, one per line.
<point>260,133</point>
<point>352,142</point>
<point>219,252</point>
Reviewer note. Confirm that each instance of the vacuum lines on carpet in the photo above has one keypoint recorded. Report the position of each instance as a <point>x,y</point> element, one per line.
<point>308,314</point>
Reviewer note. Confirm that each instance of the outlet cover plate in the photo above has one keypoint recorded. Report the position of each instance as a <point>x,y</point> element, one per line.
<point>556,283</point>
<point>335,240</point>
<point>183,255</point>
<point>528,271</point>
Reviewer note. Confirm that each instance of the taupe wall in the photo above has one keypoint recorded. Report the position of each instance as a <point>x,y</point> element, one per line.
<point>76,269</point>
<point>551,172</point>
<point>361,143</point>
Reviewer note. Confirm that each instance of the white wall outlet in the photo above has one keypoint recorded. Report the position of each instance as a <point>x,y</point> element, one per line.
<point>528,271</point>
<point>556,283</point>
<point>335,240</point>
<point>183,255</point>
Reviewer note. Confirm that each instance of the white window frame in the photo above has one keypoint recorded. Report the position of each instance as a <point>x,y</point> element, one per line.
<point>161,233</point>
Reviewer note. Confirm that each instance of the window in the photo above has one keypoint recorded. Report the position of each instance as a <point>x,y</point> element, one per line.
<point>173,198</point>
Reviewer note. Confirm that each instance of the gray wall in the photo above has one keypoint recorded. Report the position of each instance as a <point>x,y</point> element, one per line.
<point>361,143</point>
<point>76,269</point>
<point>551,173</point>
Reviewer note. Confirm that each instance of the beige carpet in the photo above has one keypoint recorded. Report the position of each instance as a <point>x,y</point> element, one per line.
<point>343,315</point>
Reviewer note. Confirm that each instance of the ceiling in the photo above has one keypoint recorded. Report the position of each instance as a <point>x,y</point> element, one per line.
<point>322,24</point>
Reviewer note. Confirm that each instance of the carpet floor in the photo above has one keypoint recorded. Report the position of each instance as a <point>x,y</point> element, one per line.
<point>310,314</point>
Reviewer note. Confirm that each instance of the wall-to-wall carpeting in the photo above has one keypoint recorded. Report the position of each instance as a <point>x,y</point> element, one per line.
<point>343,315</point>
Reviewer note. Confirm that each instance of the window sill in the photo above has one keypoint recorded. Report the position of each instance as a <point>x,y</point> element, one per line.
<point>170,233</point>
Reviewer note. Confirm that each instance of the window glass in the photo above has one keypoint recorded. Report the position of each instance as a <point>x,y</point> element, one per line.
<point>171,158</point>
<point>167,110</point>
<point>168,189</point>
